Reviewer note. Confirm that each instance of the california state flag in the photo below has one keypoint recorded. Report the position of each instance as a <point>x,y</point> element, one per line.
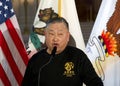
<point>47,10</point>
<point>103,47</point>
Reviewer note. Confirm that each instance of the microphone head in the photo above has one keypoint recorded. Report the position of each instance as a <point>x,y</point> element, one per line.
<point>54,51</point>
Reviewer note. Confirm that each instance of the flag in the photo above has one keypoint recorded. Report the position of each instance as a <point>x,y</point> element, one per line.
<point>13,56</point>
<point>54,8</point>
<point>103,47</point>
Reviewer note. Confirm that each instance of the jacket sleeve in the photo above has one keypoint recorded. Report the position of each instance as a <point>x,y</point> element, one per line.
<point>90,77</point>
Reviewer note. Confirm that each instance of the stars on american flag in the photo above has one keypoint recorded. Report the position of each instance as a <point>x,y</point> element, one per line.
<point>0,3</point>
<point>5,7</point>
<point>6,10</point>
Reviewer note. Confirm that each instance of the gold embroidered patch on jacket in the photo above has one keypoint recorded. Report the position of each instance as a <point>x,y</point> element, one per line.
<point>69,69</point>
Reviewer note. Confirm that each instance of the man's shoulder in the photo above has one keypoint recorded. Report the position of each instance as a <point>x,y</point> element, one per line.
<point>37,56</point>
<point>74,49</point>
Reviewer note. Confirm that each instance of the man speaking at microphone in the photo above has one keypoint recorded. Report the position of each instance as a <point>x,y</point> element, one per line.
<point>59,64</point>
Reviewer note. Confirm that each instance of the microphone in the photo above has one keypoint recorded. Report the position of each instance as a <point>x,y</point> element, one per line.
<point>53,51</point>
<point>52,55</point>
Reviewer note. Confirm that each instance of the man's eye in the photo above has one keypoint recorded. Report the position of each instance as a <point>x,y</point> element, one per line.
<point>60,34</point>
<point>51,34</point>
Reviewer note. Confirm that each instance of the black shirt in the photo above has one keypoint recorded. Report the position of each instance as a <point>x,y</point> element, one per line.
<point>69,68</point>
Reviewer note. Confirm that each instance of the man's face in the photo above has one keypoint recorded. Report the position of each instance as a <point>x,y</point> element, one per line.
<point>57,35</point>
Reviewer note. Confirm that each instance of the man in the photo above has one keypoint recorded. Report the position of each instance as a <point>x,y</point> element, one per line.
<point>60,64</point>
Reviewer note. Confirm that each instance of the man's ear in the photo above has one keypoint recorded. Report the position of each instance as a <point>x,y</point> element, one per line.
<point>69,36</point>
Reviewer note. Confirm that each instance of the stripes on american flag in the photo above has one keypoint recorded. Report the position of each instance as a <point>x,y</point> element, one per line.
<point>13,56</point>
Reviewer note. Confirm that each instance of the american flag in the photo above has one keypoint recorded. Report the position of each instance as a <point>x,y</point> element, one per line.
<point>13,56</point>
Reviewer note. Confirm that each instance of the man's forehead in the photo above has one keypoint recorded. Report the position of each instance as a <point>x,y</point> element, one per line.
<point>56,29</point>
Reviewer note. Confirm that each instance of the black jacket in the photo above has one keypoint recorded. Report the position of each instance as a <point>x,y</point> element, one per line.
<point>69,68</point>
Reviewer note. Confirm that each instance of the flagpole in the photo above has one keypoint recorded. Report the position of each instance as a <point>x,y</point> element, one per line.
<point>59,7</point>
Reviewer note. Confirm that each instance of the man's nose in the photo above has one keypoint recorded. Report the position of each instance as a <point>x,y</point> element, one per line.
<point>55,38</point>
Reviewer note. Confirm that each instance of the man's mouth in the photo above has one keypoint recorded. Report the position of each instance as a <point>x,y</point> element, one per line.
<point>55,44</point>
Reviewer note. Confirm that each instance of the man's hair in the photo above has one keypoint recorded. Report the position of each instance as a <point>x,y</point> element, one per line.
<point>57,20</point>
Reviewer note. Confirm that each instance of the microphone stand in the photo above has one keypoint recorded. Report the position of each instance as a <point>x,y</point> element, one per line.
<point>52,55</point>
